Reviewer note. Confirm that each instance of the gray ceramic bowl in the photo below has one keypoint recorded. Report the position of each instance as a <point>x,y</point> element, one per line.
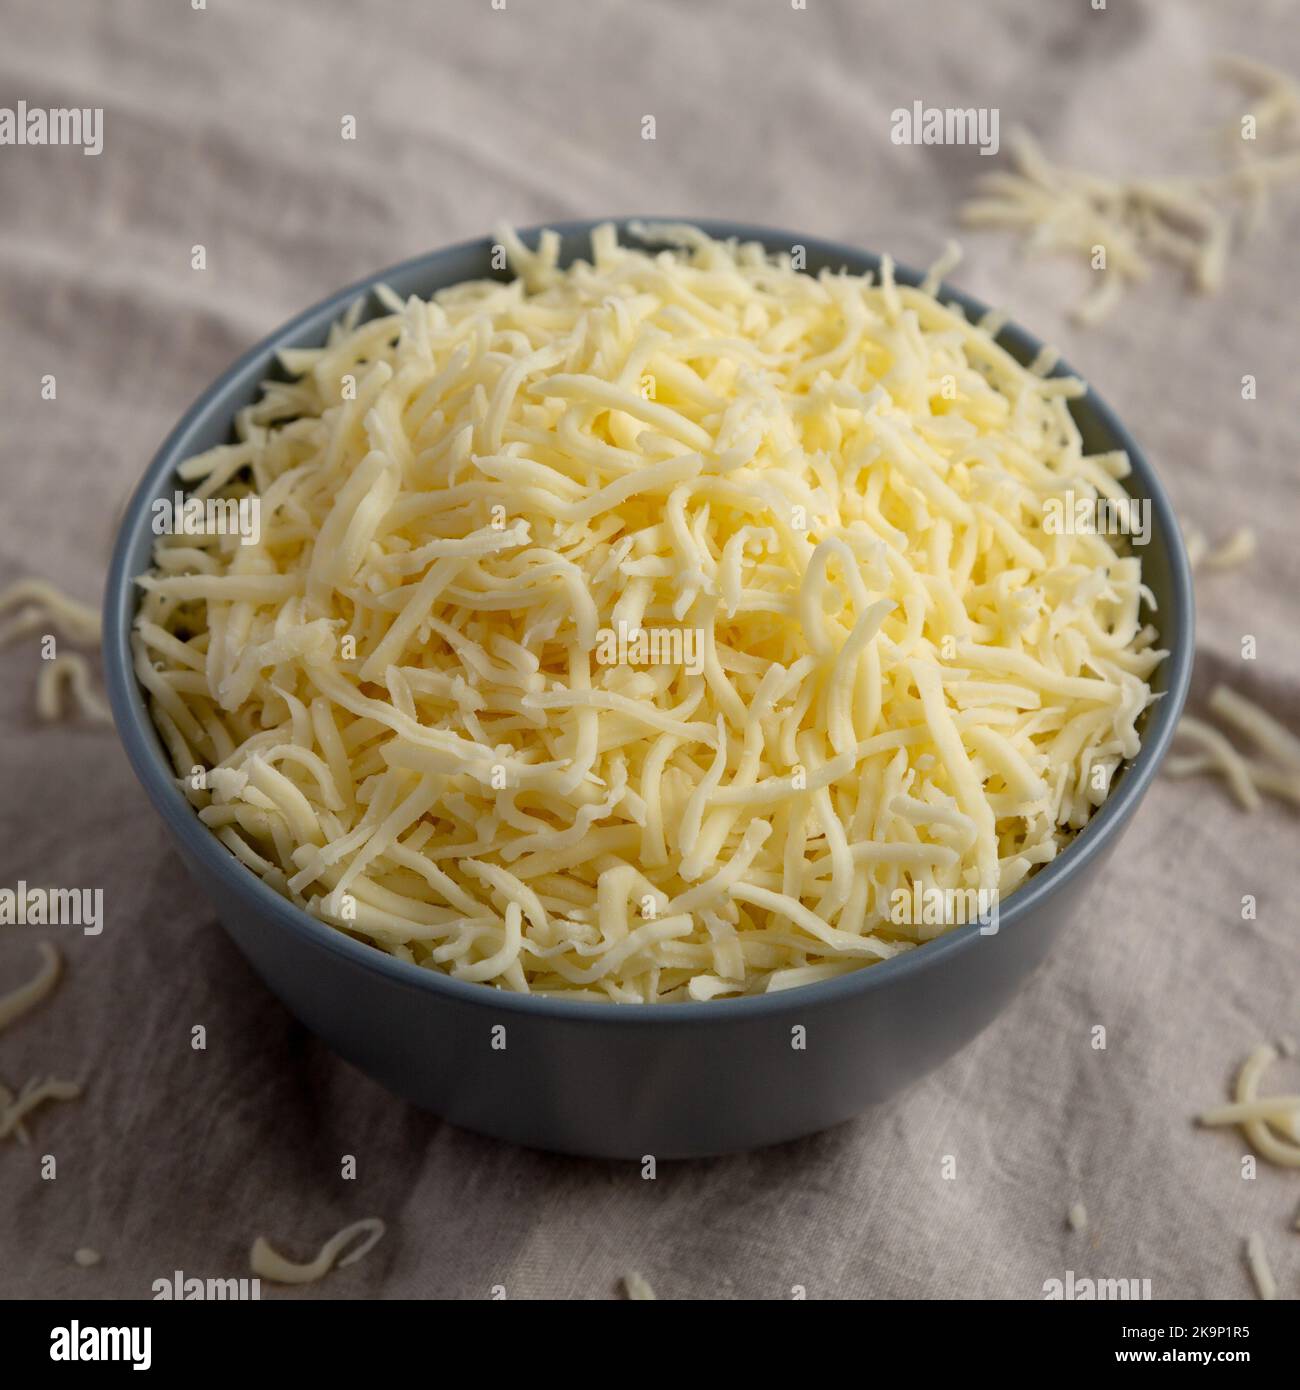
<point>620,1080</point>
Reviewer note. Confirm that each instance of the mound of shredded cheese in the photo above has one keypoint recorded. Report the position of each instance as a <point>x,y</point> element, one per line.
<point>649,629</point>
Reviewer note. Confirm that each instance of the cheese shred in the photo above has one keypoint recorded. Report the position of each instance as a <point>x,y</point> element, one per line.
<point>70,669</point>
<point>1238,549</point>
<point>1274,770</point>
<point>267,1263</point>
<point>40,607</point>
<point>15,1005</point>
<point>35,1092</point>
<point>1260,1270</point>
<point>1271,1124</point>
<point>21,1001</point>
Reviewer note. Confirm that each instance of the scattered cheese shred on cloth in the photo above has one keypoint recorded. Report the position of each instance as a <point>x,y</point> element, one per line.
<point>1260,1270</point>
<point>268,1263</point>
<point>1134,222</point>
<point>638,1289</point>
<point>40,606</point>
<point>1274,770</point>
<point>21,1001</point>
<point>33,1094</point>
<point>1270,1123</point>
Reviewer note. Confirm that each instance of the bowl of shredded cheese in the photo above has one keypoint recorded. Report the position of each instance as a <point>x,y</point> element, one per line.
<point>647,687</point>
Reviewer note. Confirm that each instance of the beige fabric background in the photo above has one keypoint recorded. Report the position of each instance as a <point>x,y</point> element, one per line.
<point>223,127</point>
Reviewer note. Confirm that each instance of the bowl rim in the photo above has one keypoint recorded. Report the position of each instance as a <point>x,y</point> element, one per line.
<point>148,760</point>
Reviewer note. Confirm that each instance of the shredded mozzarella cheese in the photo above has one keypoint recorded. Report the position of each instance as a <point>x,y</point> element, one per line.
<point>1268,1122</point>
<point>37,601</point>
<point>1275,773</point>
<point>1236,550</point>
<point>25,998</point>
<point>414,701</point>
<point>19,1002</point>
<point>43,606</point>
<point>72,669</point>
<point>1186,222</point>
<point>1275,112</point>
<point>268,1263</point>
<point>35,1092</point>
<point>1260,1271</point>
<point>19,1130</point>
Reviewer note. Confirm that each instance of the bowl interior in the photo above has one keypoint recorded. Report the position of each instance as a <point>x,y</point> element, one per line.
<point>209,422</point>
